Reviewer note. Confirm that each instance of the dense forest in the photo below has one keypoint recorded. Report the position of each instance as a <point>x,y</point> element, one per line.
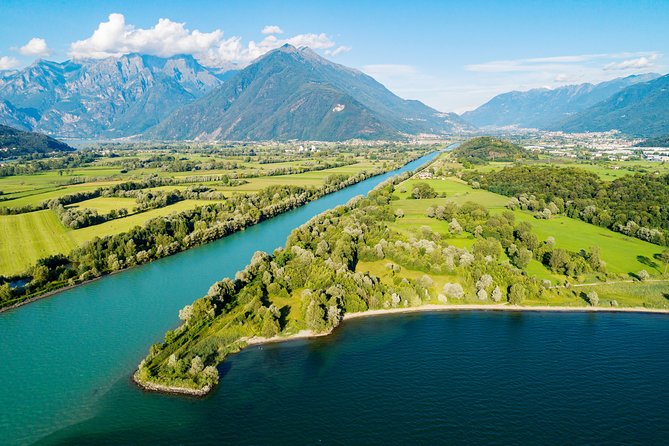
<point>636,205</point>
<point>486,148</point>
<point>14,143</point>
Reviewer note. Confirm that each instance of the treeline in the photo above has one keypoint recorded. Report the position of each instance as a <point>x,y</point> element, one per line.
<point>164,236</point>
<point>636,205</point>
<point>318,275</point>
<point>29,166</point>
<point>234,179</point>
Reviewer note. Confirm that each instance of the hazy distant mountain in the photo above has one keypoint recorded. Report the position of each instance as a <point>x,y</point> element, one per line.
<point>292,93</point>
<point>15,142</point>
<point>641,109</point>
<point>117,96</point>
<point>541,108</point>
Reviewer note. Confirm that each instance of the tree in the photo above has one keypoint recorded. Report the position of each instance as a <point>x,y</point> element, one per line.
<point>423,190</point>
<point>270,326</point>
<point>454,290</point>
<point>558,260</point>
<point>484,282</point>
<point>524,257</point>
<point>593,298</point>
<point>516,294</point>
<point>315,316</point>
<point>496,294</point>
<point>210,375</point>
<point>5,292</point>
<point>454,227</point>
<point>643,275</point>
<point>196,366</point>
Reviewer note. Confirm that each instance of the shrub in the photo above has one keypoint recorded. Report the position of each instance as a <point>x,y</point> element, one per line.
<point>516,294</point>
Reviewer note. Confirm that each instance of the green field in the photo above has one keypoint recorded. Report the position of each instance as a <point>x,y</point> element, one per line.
<point>312,178</point>
<point>25,238</point>
<point>606,170</point>
<point>36,196</point>
<point>623,255</point>
<point>104,205</point>
<point>119,225</point>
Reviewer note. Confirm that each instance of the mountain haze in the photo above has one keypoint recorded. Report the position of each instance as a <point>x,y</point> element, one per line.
<point>641,110</point>
<point>292,93</point>
<point>541,108</point>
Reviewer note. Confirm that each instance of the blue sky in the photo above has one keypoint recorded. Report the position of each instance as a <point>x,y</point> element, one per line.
<point>451,55</point>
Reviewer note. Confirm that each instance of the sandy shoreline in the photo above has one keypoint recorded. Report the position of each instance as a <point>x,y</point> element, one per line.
<point>503,307</point>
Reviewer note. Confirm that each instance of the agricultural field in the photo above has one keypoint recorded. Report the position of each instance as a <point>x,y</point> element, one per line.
<point>25,238</point>
<point>29,236</point>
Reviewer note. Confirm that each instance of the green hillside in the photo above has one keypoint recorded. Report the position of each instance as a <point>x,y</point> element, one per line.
<point>486,148</point>
<point>14,142</point>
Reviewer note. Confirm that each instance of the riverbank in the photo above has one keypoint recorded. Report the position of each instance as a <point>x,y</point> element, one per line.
<point>429,308</point>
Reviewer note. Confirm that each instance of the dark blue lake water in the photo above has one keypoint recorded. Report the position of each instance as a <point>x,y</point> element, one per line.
<point>440,378</point>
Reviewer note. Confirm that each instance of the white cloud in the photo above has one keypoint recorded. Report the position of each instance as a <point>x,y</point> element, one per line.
<point>339,50</point>
<point>35,47</point>
<point>272,29</point>
<point>167,38</point>
<point>7,63</point>
<point>553,63</point>
<point>633,64</point>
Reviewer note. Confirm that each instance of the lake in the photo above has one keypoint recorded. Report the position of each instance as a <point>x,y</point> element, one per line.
<point>433,378</point>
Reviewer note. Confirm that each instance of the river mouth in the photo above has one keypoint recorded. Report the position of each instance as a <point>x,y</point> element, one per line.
<point>94,335</point>
<point>449,377</point>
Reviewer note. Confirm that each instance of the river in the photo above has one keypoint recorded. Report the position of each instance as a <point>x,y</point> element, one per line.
<point>60,356</point>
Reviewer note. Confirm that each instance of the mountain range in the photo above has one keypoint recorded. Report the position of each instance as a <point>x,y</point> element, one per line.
<point>293,93</point>
<point>112,97</point>
<point>288,93</point>
<point>545,108</point>
<point>641,109</point>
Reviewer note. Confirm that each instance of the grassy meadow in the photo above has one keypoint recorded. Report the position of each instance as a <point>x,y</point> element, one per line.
<point>25,238</point>
<point>623,255</point>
